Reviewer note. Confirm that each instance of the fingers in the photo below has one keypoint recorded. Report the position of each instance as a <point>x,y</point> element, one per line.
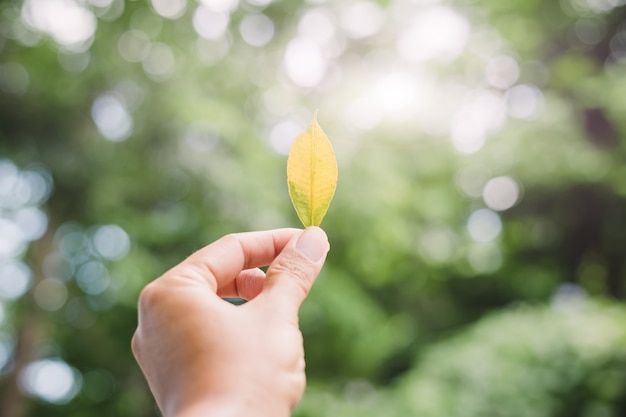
<point>290,277</point>
<point>221,262</point>
<point>247,285</point>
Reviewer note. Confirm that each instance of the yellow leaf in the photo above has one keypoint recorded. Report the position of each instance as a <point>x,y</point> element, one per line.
<point>311,174</point>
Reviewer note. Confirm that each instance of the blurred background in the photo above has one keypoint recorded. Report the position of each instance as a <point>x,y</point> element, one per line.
<point>478,231</point>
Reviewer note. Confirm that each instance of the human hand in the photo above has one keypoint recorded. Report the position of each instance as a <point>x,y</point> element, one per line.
<point>203,356</point>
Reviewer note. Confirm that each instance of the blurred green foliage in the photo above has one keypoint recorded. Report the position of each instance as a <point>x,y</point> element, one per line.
<point>481,172</point>
<point>565,360</point>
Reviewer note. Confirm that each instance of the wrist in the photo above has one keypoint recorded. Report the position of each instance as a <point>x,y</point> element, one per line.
<point>233,407</point>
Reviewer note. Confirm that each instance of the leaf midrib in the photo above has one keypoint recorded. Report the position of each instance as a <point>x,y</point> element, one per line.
<point>311,187</point>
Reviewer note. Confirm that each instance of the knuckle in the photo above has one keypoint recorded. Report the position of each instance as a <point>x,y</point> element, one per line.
<point>135,345</point>
<point>151,295</point>
<point>297,385</point>
<point>230,238</point>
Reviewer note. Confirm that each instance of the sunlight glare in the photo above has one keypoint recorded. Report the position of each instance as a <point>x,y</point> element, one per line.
<point>362,19</point>
<point>68,22</point>
<point>484,112</point>
<point>304,62</point>
<point>363,114</point>
<point>437,33</point>
<point>396,94</point>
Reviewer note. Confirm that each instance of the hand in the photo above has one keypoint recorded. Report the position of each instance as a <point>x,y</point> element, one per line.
<point>203,356</point>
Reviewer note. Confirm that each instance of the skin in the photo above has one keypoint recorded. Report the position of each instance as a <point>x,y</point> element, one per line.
<point>203,356</point>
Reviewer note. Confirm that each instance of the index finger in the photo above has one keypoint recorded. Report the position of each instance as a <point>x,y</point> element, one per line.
<point>219,263</point>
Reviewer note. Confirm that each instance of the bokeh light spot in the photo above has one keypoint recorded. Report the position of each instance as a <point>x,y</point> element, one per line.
<point>221,5</point>
<point>72,240</point>
<point>93,278</point>
<point>170,9</point>
<point>484,258</point>
<point>130,93</point>
<point>484,225</point>
<point>6,349</point>
<point>160,63</point>
<point>74,62</point>
<point>111,118</point>
<point>317,25</point>
<point>501,193</point>
<point>144,20</point>
<point>524,101</point>
<point>101,3</point>
<point>589,31</point>
<point>210,24</point>
<point>283,134</point>
<point>50,294</point>
<point>32,222</point>
<point>361,19</point>
<point>51,380</point>
<point>111,242</point>
<point>502,71</point>
<point>8,178</point>
<point>472,179</point>
<point>134,45</point>
<point>15,279</point>
<point>304,62</point>
<point>437,244</point>
<point>210,52</point>
<point>68,22</point>
<point>256,30</point>
<point>39,184</point>
<point>12,242</point>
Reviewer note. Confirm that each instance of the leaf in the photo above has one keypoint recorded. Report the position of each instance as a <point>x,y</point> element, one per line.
<point>311,174</point>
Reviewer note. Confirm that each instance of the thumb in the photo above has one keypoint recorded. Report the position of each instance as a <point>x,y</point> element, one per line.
<point>292,273</point>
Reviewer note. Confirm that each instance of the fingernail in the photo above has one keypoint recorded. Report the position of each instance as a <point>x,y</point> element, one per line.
<point>313,243</point>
